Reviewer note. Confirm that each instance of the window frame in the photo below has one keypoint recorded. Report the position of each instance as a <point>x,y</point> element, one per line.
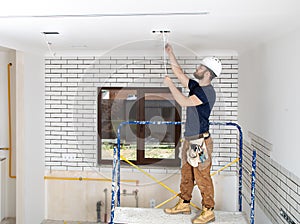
<point>140,157</point>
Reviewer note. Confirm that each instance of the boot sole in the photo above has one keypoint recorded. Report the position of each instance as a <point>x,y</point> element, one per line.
<point>184,213</point>
<point>209,221</point>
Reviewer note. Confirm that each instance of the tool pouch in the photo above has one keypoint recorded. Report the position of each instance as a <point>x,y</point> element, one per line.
<point>197,153</point>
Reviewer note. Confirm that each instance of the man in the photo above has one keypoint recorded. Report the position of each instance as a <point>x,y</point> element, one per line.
<point>198,146</point>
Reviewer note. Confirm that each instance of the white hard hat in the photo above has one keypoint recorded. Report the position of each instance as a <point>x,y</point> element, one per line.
<point>213,64</point>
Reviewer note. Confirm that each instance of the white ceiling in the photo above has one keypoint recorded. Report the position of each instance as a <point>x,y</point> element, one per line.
<point>118,24</point>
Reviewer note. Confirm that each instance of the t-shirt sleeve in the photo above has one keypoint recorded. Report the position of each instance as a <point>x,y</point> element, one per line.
<point>196,89</point>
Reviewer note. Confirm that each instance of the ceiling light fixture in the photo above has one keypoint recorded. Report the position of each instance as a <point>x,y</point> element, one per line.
<point>50,33</point>
<point>109,15</point>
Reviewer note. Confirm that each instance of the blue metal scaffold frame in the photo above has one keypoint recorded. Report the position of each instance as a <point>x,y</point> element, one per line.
<point>116,169</point>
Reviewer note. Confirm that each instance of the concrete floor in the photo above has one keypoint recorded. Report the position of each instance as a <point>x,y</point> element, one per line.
<point>65,222</point>
<point>13,221</point>
<point>155,216</point>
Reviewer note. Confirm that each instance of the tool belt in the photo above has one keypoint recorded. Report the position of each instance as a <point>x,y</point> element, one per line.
<point>204,135</point>
<point>197,152</point>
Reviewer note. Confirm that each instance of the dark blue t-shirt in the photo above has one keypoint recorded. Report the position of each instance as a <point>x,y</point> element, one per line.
<point>197,117</point>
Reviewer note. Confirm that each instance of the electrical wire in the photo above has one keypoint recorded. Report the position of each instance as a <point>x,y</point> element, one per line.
<point>164,47</point>
<point>49,46</point>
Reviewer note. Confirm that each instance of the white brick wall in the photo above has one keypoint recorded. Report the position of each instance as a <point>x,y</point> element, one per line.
<point>276,188</point>
<point>71,103</point>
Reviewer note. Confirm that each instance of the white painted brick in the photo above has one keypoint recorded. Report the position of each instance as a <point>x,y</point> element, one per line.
<point>142,62</point>
<point>107,71</point>
<point>52,66</point>
<point>123,61</point>
<point>53,129</point>
<point>86,120</point>
<point>133,66</point>
<point>126,80</point>
<point>73,79</point>
<point>53,119</point>
<point>141,70</point>
<point>74,75</point>
<point>52,154</point>
<point>53,163</point>
<point>123,70</point>
<point>58,89</point>
<point>157,80</point>
<point>58,133</point>
<point>159,71</point>
<point>222,85</point>
<point>141,67</point>
<point>67,137</point>
<point>229,81</point>
<point>53,146</point>
<point>58,71</point>
<point>89,61</point>
<point>155,66</point>
<point>108,61</point>
<point>74,61</point>
<point>59,62</point>
<point>87,71</point>
<point>57,106</point>
<point>69,66</point>
<point>76,71</point>
<point>224,94</point>
<point>101,66</point>
<point>141,80</point>
<point>54,84</point>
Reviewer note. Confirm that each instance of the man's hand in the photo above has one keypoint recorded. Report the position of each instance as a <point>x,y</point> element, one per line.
<point>169,49</point>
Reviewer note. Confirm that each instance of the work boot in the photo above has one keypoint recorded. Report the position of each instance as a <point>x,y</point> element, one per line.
<point>207,215</point>
<point>179,208</point>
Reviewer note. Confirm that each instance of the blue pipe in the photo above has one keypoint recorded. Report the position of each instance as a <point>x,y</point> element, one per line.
<point>240,157</point>
<point>113,186</point>
<point>253,180</point>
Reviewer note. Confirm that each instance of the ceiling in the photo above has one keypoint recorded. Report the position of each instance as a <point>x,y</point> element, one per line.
<point>103,25</point>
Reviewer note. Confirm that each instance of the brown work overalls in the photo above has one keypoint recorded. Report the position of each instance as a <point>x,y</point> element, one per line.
<point>200,175</point>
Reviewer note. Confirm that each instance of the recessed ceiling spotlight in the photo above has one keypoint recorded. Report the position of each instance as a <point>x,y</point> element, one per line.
<point>161,31</point>
<point>50,32</point>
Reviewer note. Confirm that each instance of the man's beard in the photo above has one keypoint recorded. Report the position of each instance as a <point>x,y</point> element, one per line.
<point>199,76</point>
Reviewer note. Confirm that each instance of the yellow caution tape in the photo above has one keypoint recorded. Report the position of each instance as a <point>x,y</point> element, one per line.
<point>213,174</point>
<point>153,178</point>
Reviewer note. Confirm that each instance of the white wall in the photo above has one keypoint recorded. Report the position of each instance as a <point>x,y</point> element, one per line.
<point>269,104</point>
<point>268,97</point>
<point>3,100</point>
<point>7,56</point>
<point>33,160</point>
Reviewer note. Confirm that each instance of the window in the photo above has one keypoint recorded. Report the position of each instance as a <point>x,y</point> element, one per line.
<point>141,144</point>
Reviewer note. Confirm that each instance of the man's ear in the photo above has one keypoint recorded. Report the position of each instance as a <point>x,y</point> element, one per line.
<point>207,73</point>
